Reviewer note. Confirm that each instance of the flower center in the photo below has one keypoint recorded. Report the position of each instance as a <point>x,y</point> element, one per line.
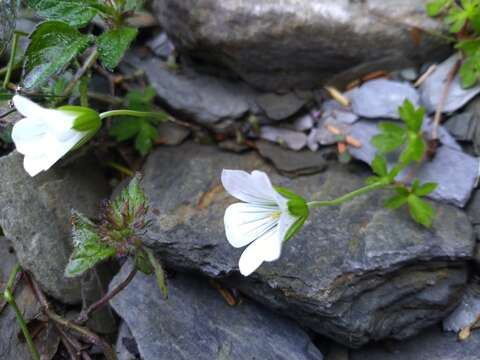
<point>276,215</point>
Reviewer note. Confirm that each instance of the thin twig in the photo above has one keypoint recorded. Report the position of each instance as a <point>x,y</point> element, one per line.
<point>425,75</point>
<point>81,72</point>
<point>443,99</point>
<point>106,298</point>
<point>84,332</point>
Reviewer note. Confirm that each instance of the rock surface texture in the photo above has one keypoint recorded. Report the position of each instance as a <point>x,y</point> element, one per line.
<point>277,45</point>
<point>429,345</point>
<point>355,273</point>
<point>35,215</point>
<point>195,322</point>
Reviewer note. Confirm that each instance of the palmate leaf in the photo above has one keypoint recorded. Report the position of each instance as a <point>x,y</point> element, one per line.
<point>390,138</point>
<point>88,248</point>
<point>52,47</point>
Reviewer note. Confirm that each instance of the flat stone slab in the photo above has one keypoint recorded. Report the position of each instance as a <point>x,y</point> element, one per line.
<point>195,322</point>
<point>356,273</point>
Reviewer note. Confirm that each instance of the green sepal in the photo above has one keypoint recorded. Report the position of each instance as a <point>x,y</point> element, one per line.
<point>86,119</point>
<point>297,225</point>
<point>297,206</point>
<point>142,262</point>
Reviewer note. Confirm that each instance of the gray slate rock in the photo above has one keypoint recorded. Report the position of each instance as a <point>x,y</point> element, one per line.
<point>195,322</point>
<point>161,46</point>
<point>279,107</point>
<point>198,97</point>
<point>35,214</point>
<point>429,345</point>
<point>455,171</point>
<point>432,89</point>
<point>294,140</point>
<point>293,163</point>
<point>462,126</point>
<point>355,273</point>
<point>287,44</point>
<point>381,98</point>
<point>467,312</point>
<point>126,346</point>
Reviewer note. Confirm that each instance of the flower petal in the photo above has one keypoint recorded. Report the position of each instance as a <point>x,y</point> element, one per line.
<point>266,248</point>
<point>26,132</point>
<point>254,188</point>
<point>27,107</point>
<point>285,223</point>
<point>34,165</point>
<point>245,223</point>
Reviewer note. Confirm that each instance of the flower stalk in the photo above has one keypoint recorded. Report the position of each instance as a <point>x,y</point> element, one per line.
<point>349,196</point>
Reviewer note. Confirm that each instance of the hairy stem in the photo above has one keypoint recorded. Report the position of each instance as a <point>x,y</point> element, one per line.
<point>11,62</point>
<point>8,294</point>
<point>107,297</point>
<point>347,197</point>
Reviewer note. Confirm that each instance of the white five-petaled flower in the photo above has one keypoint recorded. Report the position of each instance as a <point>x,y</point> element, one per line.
<point>44,136</point>
<point>268,216</point>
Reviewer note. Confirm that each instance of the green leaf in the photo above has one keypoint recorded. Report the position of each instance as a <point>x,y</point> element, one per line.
<point>73,12</point>
<point>379,166</point>
<point>146,136</point>
<point>113,44</point>
<point>373,180</point>
<point>131,204</point>
<point>142,263</point>
<point>469,47</point>
<point>435,7</point>
<point>88,247</point>
<point>414,150</point>
<point>159,273</point>
<point>421,211</point>
<point>456,18</point>
<point>412,118</point>
<point>425,189</point>
<point>142,129</point>
<point>390,138</point>
<point>396,201</point>
<point>470,71</point>
<point>52,47</point>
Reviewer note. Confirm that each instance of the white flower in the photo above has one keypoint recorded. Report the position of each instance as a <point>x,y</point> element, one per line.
<point>267,217</point>
<point>44,136</point>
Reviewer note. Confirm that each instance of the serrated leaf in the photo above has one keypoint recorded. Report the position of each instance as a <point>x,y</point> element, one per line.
<point>52,47</point>
<point>400,190</point>
<point>412,117</point>
<point>414,150</point>
<point>391,138</point>
<point>396,201</point>
<point>113,44</point>
<point>425,189</point>
<point>74,12</point>
<point>470,71</point>
<point>469,47</point>
<point>131,204</point>
<point>145,138</point>
<point>379,166</point>
<point>434,8</point>
<point>88,248</point>
<point>456,18</point>
<point>421,211</point>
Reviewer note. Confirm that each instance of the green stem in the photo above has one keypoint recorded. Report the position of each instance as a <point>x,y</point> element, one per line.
<point>8,294</point>
<point>157,115</point>
<point>346,197</point>
<point>11,62</point>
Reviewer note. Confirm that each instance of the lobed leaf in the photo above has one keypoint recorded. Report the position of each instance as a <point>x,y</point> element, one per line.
<point>421,211</point>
